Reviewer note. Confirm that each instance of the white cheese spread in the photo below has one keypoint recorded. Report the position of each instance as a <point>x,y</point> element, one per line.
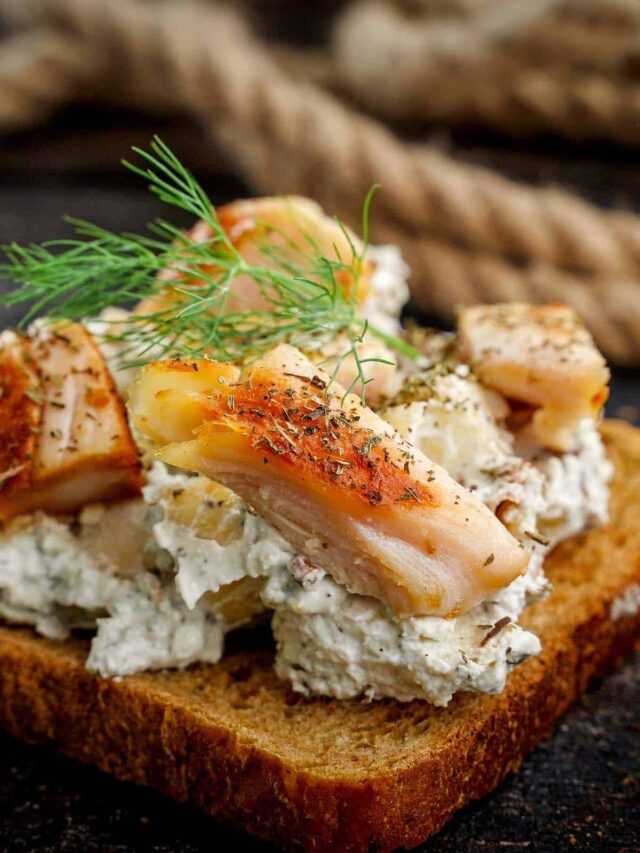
<point>576,492</point>
<point>627,604</point>
<point>59,576</point>
<point>388,289</point>
<point>204,565</point>
<point>114,352</point>
<point>334,643</point>
<point>48,580</point>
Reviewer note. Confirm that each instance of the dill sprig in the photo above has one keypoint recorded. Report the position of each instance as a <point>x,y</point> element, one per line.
<point>302,300</point>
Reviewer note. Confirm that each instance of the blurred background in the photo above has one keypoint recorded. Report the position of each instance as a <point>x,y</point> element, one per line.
<point>506,140</point>
<point>505,136</point>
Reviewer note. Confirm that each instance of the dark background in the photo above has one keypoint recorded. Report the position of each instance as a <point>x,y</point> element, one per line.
<point>580,790</point>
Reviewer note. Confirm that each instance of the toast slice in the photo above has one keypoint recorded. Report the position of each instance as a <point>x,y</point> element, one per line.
<point>322,774</point>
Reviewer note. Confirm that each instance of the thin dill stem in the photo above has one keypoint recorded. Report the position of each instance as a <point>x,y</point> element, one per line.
<point>366,210</point>
<point>399,345</point>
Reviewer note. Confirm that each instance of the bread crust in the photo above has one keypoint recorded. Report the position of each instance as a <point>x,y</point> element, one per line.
<point>322,774</point>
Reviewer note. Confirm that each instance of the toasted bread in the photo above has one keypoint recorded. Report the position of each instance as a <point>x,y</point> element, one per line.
<point>323,774</point>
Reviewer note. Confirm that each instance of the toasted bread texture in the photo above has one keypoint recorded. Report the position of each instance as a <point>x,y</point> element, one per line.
<point>322,774</point>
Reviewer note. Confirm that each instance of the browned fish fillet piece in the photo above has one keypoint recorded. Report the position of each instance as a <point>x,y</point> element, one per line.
<point>269,231</point>
<point>331,475</point>
<point>540,355</point>
<point>296,231</point>
<point>63,431</point>
<point>20,398</point>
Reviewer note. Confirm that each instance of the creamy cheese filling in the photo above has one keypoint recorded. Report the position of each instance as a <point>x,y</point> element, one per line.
<point>388,288</point>
<point>113,351</point>
<point>225,541</point>
<point>138,577</point>
<point>204,544</point>
<point>334,643</point>
<point>626,604</point>
<point>48,580</point>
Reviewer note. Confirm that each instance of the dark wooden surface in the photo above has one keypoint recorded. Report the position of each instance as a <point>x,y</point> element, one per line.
<point>580,790</point>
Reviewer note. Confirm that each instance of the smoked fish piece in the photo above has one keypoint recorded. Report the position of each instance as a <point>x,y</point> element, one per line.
<point>341,487</point>
<point>292,230</point>
<point>63,430</point>
<point>541,356</point>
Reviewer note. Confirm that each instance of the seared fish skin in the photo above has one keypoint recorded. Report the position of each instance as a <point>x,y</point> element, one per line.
<point>293,230</point>
<point>63,429</point>
<point>19,413</point>
<point>539,355</point>
<point>332,477</point>
<point>269,232</point>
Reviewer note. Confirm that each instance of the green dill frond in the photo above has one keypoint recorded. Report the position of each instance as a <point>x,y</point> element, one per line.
<point>301,299</point>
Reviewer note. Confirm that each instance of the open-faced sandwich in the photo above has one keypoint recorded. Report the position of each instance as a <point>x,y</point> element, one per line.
<point>257,439</point>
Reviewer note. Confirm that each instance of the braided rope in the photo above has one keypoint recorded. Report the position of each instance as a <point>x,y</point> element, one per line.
<point>469,233</point>
<point>284,135</point>
<point>201,57</point>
